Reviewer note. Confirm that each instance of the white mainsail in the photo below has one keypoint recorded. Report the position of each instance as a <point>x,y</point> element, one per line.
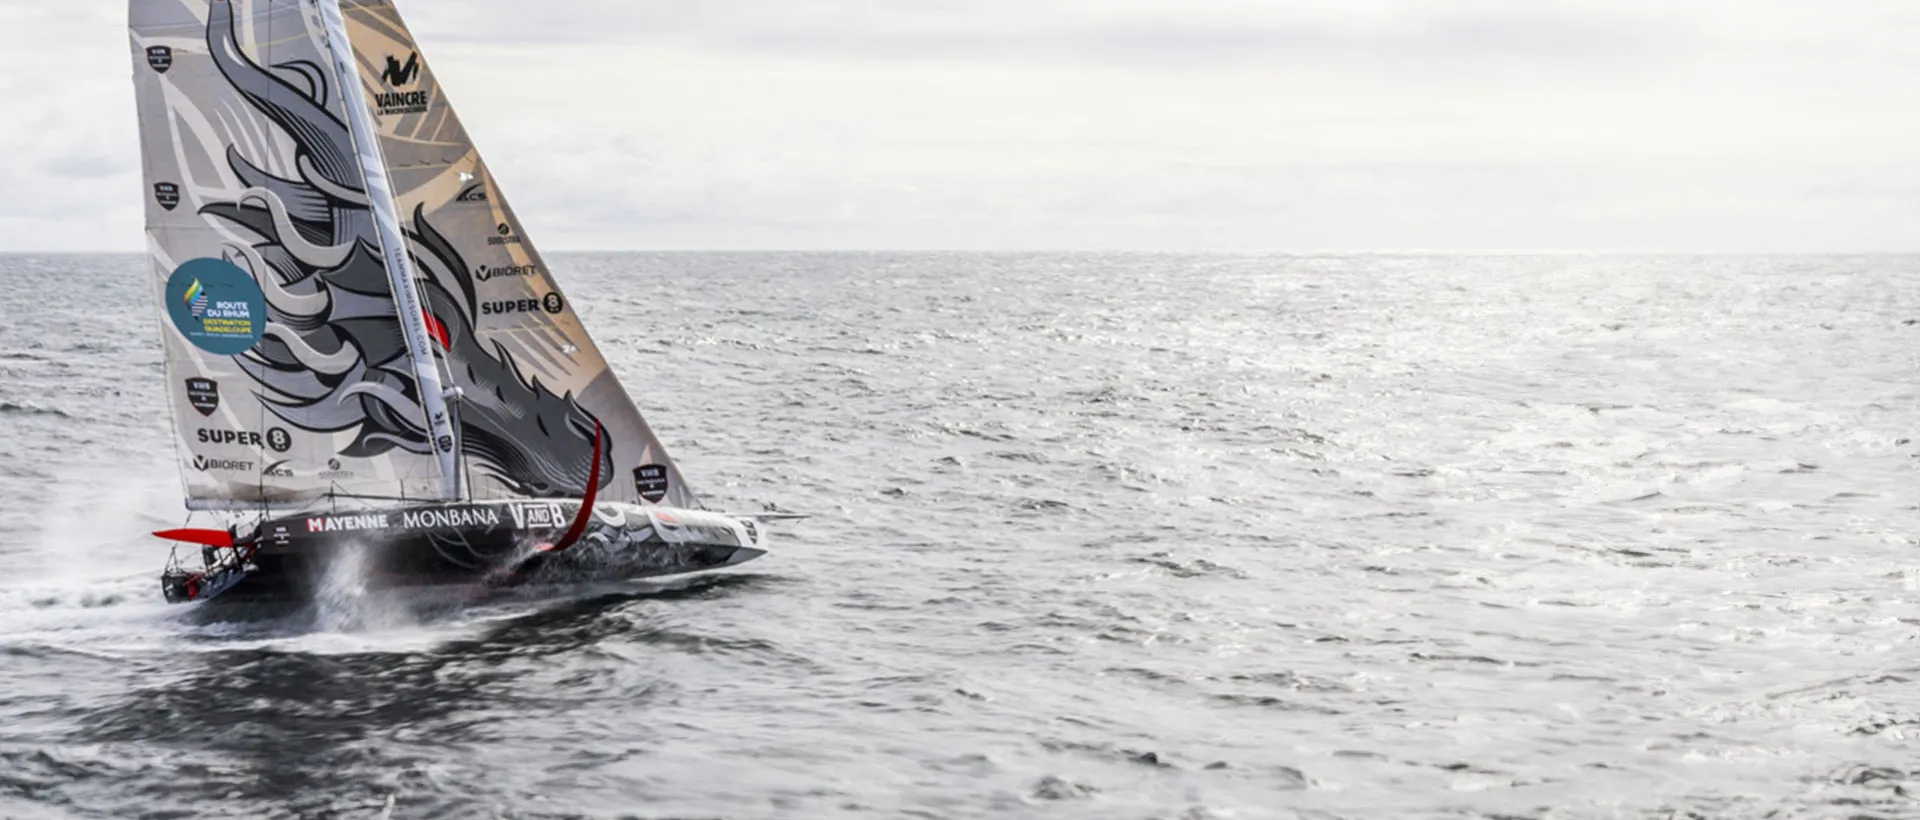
<point>297,366</point>
<point>286,363</point>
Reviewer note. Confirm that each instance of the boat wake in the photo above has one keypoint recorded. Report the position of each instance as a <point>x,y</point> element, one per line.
<point>123,619</point>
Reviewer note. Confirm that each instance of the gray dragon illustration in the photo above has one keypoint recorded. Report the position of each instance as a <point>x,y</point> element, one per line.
<point>335,358</point>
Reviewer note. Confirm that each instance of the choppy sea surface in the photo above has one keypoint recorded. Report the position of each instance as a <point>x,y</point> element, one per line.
<point>1094,536</point>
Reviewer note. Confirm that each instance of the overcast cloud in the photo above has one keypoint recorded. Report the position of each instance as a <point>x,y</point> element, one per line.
<point>1761,125</point>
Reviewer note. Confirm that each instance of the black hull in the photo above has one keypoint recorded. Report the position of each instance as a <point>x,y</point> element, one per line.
<point>480,546</point>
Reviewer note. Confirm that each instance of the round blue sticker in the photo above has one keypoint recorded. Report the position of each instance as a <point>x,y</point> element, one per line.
<point>217,306</point>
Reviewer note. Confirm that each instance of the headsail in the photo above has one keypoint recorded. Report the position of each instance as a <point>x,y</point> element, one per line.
<point>285,360</point>
<point>533,380</point>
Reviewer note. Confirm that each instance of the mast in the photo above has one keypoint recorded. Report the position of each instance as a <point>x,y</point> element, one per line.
<point>393,248</point>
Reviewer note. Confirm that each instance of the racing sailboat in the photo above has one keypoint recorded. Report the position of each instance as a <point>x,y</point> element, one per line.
<point>363,348</point>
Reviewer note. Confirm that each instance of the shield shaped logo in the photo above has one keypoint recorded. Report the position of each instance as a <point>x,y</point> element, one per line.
<point>167,194</point>
<point>650,480</point>
<point>160,57</point>
<point>204,395</point>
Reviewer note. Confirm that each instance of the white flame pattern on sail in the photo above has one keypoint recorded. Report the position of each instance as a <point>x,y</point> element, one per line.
<point>285,363</point>
<point>533,380</point>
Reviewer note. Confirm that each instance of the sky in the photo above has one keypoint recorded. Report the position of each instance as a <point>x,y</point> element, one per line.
<point>1288,125</point>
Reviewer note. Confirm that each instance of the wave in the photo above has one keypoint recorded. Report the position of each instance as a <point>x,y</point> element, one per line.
<point>9,408</point>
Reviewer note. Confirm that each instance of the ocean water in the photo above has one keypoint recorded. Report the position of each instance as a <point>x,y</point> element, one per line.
<point>1094,536</point>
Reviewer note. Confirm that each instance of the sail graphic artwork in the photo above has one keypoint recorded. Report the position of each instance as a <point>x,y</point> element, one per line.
<point>361,343</point>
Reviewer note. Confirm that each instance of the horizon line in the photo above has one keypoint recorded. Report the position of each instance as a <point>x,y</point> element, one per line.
<point>1144,251</point>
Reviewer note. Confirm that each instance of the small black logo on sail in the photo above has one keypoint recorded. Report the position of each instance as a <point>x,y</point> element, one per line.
<point>397,75</point>
<point>476,192</point>
<point>650,480</point>
<point>504,235</point>
<point>551,303</point>
<point>225,465</point>
<point>160,57</point>
<point>167,194</point>
<point>334,472</point>
<point>204,395</point>
<point>485,272</point>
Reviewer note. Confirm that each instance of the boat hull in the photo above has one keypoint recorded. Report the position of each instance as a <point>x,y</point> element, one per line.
<point>485,544</point>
